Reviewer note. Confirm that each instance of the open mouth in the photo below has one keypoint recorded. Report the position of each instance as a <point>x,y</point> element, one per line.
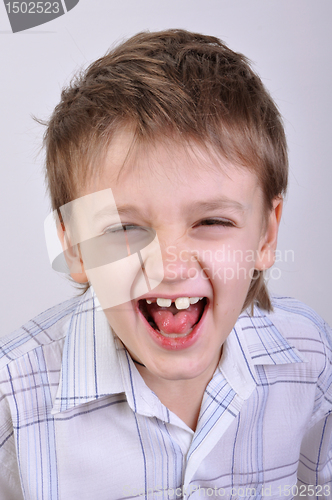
<point>173,318</point>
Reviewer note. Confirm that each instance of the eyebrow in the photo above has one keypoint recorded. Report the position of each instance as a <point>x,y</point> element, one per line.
<point>219,203</point>
<point>111,211</point>
<point>196,206</point>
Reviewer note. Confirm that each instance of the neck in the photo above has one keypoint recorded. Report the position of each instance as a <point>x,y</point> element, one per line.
<point>182,397</point>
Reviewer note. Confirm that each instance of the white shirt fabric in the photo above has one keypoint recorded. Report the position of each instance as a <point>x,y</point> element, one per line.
<point>77,421</point>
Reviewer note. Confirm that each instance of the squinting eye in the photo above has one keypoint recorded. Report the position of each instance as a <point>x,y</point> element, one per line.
<point>135,236</point>
<point>115,243</point>
<point>216,222</point>
<point>123,227</point>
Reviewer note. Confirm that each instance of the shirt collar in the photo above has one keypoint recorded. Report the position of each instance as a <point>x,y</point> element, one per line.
<point>254,341</point>
<point>95,365</point>
<point>90,366</point>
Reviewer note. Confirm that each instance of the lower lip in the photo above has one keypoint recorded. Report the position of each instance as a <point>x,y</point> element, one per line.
<point>175,343</point>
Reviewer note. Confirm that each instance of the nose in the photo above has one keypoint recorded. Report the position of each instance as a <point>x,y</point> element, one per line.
<point>180,263</point>
<point>171,261</point>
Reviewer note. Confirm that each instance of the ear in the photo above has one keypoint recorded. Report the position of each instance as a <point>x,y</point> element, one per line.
<point>268,242</point>
<point>73,257</point>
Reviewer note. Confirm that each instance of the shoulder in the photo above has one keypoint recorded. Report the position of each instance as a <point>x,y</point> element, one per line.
<point>47,328</point>
<point>297,318</point>
<point>301,326</point>
<point>296,309</point>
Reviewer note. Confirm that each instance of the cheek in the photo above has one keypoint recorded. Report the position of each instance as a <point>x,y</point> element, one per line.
<point>230,264</point>
<point>120,316</point>
<point>118,282</point>
<point>122,280</point>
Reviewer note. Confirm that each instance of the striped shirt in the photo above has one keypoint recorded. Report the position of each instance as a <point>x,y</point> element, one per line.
<point>78,422</point>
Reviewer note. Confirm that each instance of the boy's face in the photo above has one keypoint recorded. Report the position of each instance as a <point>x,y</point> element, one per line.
<point>213,232</point>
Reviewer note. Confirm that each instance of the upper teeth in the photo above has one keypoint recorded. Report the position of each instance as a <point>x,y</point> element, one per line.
<point>164,302</point>
<point>180,302</point>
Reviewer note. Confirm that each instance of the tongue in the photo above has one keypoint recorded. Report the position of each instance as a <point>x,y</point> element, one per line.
<point>181,322</point>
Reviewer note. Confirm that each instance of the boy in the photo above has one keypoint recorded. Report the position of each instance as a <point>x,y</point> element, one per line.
<point>173,375</point>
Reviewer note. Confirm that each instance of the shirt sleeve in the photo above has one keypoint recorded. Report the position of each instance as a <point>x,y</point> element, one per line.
<point>10,484</point>
<point>315,466</point>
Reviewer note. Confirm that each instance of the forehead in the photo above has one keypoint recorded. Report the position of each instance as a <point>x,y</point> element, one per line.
<point>129,161</point>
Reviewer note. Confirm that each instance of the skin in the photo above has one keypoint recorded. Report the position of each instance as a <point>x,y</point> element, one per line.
<point>195,202</point>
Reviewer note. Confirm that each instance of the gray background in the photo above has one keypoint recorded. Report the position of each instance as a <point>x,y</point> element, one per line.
<point>290,43</point>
